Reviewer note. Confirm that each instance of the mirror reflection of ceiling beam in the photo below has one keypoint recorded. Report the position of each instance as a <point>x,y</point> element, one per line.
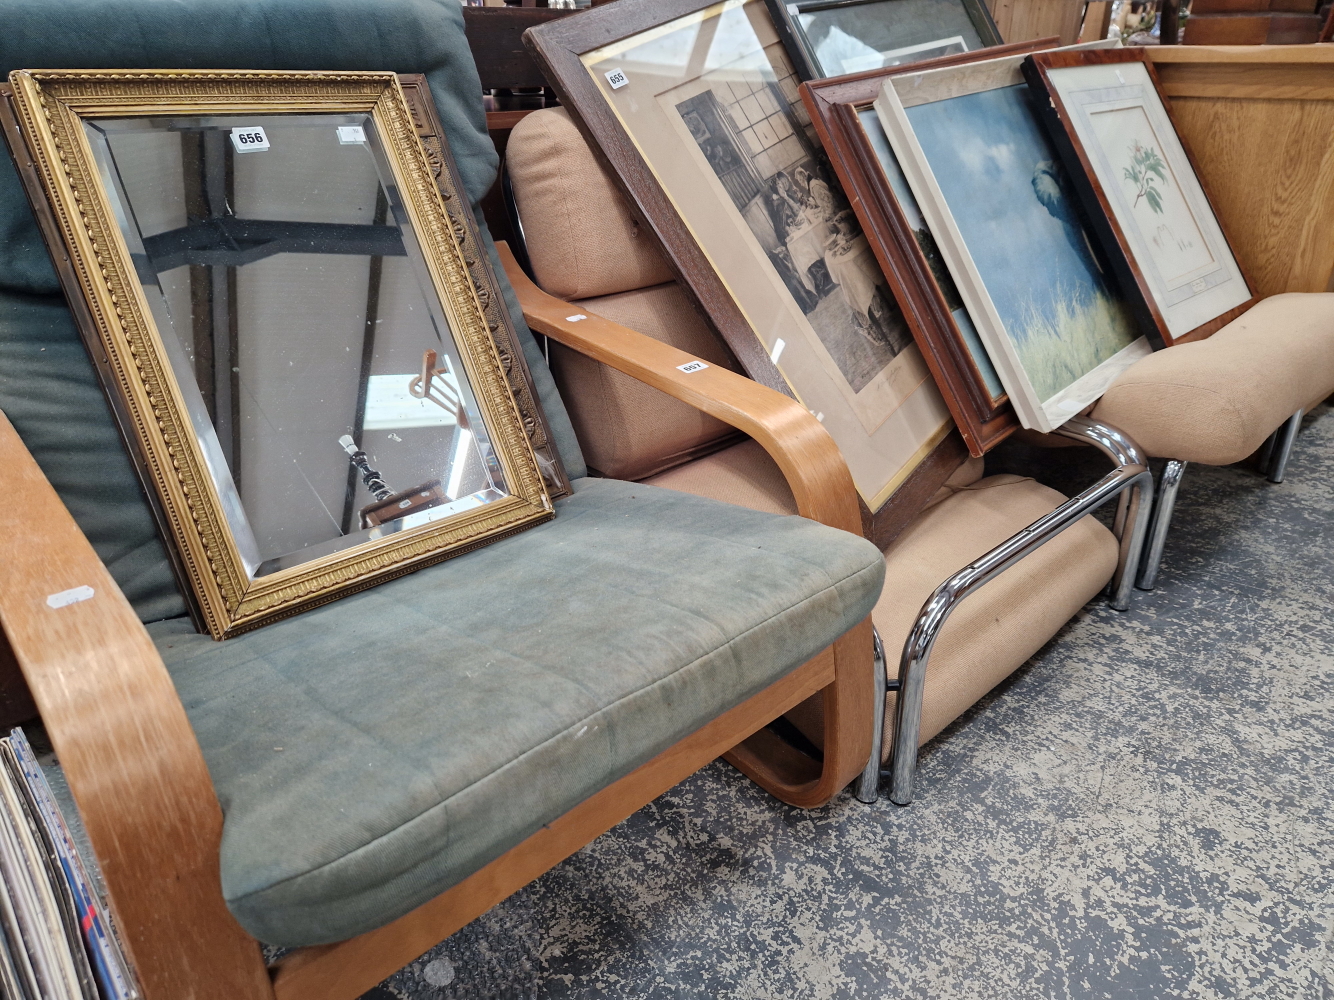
<point>210,188</point>
<point>368,343</point>
<point>237,242</point>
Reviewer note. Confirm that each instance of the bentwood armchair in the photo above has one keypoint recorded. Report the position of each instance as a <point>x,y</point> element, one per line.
<point>987,574</point>
<point>357,782</point>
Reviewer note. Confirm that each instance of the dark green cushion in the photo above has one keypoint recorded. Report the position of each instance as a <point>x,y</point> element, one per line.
<point>376,751</point>
<point>51,395</point>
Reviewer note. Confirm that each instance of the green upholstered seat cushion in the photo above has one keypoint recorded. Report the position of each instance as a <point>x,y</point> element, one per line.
<point>428,725</point>
<point>51,395</point>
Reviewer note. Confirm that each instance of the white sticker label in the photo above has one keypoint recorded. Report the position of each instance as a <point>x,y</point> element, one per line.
<point>1070,405</point>
<point>575,318</point>
<point>617,79</point>
<point>68,597</point>
<point>250,139</point>
<point>777,352</point>
<point>351,135</point>
<point>691,366</point>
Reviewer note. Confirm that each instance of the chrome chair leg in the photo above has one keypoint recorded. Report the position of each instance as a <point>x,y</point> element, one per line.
<point>942,602</point>
<point>1168,484</point>
<point>1131,525</point>
<point>868,785</point>
<point>1286,435</point>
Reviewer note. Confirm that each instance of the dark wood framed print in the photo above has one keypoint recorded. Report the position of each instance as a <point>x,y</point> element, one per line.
<point>289,313</point>
<point>835,37</point>
<point>695,107</point>
<point>1111,123</point>
<point>843,111</point>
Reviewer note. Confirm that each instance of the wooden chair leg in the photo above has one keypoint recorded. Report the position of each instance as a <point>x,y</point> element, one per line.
<point>849,714</point>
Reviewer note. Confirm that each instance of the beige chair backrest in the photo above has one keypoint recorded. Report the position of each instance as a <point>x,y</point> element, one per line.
<point>585,246</point>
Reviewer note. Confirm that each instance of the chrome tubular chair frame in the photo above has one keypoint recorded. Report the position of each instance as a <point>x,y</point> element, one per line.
<point>1131,482</point>
<point>1273,465</point>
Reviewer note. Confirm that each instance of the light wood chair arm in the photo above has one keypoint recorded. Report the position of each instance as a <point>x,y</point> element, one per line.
<point>814,467</point>
<point>124,743</point>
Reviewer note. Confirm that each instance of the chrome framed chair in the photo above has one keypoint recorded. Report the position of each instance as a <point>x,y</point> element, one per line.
<point>604,272</point>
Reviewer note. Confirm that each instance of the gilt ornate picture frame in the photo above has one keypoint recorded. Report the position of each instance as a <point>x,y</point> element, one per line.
<point>283,300</point>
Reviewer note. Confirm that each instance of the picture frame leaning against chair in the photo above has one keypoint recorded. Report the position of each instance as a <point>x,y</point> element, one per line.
<point>552,167</point>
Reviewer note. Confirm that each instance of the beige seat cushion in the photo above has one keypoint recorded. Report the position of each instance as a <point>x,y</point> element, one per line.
<point>629,430</point>
<point>582,238</point>
<point>745,475</point>
<point>1216,400</point>
<point>998,628</point>
<point>992,632</point>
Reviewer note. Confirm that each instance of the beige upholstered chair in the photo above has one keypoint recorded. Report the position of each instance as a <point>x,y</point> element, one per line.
<point>586,248</point>
<point>1216,401</point>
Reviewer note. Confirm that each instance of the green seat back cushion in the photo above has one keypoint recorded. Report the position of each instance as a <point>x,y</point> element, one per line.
<point>378,750</point>
<point>47,385</point>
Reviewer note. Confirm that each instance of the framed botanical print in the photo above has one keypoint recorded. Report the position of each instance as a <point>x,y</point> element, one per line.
<point>288,309</point>
<point>843,111</point>
<point>1112,125</point>
<point>835,37</point>
<point>996,197</point>
<point>695,106</point>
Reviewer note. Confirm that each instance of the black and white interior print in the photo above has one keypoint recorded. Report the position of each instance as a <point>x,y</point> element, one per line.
<point>755,138</point>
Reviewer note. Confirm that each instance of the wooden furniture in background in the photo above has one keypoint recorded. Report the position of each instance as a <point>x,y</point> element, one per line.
<point>1259,122</point>
<point>1024,20</point>
<point>1252,22</point>
<point>1097,19</point>
<point>495,37</point>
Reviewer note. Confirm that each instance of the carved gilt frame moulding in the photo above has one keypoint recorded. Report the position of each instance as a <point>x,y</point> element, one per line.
<point>128,349</point>
<point>843,112</point>
<point>677,137</point>
<point>1075,89</point>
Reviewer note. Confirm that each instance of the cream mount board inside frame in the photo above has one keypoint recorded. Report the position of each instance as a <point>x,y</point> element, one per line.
<point>289,311</point>
<point>695,106</point>
<point>1009,227</point>
<point>1112,124</point>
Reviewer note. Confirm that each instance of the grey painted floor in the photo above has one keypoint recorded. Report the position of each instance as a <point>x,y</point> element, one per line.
<point>1144,810</point>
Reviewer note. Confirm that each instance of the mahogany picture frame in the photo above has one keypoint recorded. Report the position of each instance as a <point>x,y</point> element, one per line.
<point>558,48</point>
<point>1130,275</point>
<point>835,105</point>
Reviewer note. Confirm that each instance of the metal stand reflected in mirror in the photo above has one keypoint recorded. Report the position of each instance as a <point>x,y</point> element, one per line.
<point>432,385</point>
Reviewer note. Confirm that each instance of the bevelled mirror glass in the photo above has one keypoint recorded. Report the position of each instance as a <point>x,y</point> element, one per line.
<point>293,326</point>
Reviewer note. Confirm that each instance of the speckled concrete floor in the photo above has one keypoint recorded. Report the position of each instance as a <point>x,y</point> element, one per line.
<point>1144,810</point>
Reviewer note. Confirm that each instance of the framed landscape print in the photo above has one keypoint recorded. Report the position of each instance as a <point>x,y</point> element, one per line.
<point>289,314</point>
<point>835,37</point>
<point>1110,122</point>
<point>696,107</point>
<point>843,111</point>
<point>994,194</point>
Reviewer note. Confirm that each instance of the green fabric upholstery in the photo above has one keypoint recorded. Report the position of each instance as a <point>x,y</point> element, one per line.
<point>428,725</point>
<point>51,395</point>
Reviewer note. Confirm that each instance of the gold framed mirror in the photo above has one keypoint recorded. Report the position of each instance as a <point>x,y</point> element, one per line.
<point>289,317</point>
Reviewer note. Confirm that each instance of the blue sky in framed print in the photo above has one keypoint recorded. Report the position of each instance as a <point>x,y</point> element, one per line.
<point>1015,209</point>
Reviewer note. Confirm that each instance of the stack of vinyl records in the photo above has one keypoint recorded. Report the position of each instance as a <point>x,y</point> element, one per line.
<point>56,941</point>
